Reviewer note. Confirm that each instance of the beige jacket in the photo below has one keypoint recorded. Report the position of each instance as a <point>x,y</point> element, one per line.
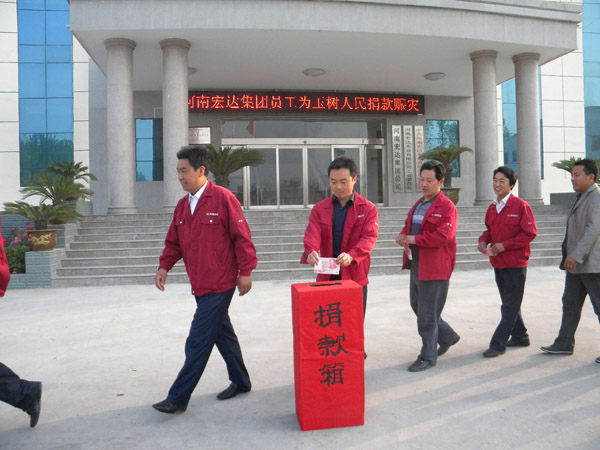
<point>582,239</point>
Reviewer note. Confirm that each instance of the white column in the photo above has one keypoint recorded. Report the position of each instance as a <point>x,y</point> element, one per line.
<point>175,114</point>
<point>120,126</point>
<point>486,133</point>
<point>528,127</point>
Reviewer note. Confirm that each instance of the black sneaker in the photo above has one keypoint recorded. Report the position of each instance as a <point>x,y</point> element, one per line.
<point>556,350</point>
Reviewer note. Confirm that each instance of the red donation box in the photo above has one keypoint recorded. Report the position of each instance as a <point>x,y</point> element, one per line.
<point>329,361</point>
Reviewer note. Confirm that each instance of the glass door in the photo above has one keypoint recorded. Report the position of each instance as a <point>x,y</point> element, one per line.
<point>317,161</point>
<point>263,179</point>
<point>291,183</point>
<point>373,173</point>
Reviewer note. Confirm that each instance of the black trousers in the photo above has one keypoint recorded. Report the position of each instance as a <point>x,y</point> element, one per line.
<point>15,391</point>
<point>511,285</point>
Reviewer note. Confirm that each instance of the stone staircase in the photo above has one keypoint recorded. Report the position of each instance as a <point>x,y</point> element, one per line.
<point>124,249</point>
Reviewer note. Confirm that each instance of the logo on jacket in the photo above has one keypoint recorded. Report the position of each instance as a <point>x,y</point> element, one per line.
<point>212,214</point>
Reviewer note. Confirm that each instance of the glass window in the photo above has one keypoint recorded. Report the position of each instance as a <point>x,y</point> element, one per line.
<point>59,147</point>
<point>263,186</point>
<point>60,115</point>
<point>301,129</point>
<point>149,149</point>
<point>32,54</point>
<point>32,115</point>
<point>57,32</point>
<point>57,5</point>
<point>32,80</point>
<point>443,133</point>
<point>30,4</point>
<point>59,80</point>
<point>32,27</point>
<point>59,53</point>
<point>46,124</point>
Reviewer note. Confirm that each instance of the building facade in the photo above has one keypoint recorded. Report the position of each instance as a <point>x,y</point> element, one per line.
<point>302,82</point>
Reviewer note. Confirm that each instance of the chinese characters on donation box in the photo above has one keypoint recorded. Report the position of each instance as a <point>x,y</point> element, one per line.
<point>328,354</point>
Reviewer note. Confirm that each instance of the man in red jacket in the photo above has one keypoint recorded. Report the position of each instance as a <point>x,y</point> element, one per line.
<point>210,233</point>
<point>22,394</point>
<point>343,226</point>
<point>429,241</point>
<point>510,228</point>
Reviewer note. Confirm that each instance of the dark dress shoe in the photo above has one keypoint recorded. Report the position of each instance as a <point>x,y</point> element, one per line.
<point>232,391</point>
<point>516,342</point>
<point>491,353</point>
<point>36,407</point>
<point>169,408</point>
<point>556,350</point>
<point>598,359</point>
<point>444,348</point>
<point>419,365</point>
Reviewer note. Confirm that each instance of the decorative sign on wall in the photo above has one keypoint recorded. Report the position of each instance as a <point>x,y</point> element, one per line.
<point>318,102</point>
<point>409,159</point>
<point>199,135</point>
<point>408,143</point>
<point>419,146</point>
<point>397,158</point>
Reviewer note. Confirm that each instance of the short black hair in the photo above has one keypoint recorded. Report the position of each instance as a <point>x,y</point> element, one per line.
<point>589,167</point>
<point>436,166</point>
<point>508,173</point>
<point>343,162</point>
<point>197,155</point>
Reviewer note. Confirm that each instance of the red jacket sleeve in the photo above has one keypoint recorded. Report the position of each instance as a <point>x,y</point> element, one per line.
<point>368,237</point>
<point>486,236</point>
<point>239,232</point>
<point>172,251</point>
<point>312,235</point>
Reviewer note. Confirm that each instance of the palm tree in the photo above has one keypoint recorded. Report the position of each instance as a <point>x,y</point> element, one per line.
<point>567,164</point>
<point>73,170</point>
<point>56,188</point>
<point>42,214</point>
<point>226,160</point>
<point>445,155</point>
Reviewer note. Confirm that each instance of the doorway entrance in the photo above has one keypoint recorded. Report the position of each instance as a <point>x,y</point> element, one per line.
<point>294,174</point>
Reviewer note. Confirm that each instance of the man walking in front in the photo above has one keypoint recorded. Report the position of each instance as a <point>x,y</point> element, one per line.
<point>343,226</point>
<point>22,394</point>
<point>510,228</point>
<point>581,256</point>
<point>210,233</point>
<point>429,237</point>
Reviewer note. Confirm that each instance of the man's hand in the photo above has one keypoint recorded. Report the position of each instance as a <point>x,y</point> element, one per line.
<point>497,248</point>
<point>570,264</point>
<point>244,284</point>
<point>404,240</point>
<point>344,259</point>
<point>313,258</point>
<point>482,247</point>
<point>160,279</point>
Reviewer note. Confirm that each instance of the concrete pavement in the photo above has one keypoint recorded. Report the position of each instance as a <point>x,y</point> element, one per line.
<point>106,354</point>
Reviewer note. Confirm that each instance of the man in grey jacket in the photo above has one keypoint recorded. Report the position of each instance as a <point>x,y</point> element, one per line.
<point>581,256</point>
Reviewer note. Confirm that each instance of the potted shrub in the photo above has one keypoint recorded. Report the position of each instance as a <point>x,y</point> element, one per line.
<point>42,239</point>
<point>224,161</point>
<point>446,155</point>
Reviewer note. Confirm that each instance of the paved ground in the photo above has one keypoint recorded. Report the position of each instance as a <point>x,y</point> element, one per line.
<point>106,354</point>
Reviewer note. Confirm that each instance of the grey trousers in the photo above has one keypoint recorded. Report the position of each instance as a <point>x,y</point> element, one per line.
<point>427,300</point>
<point>577,287</point>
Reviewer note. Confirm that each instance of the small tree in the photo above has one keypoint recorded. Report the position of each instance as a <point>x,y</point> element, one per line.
<point>56,188</point>
<point>73,170</point>
<point>42,214</point>
<point>445,155</point>
<point>567,164</point>
<point>226,160</point>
